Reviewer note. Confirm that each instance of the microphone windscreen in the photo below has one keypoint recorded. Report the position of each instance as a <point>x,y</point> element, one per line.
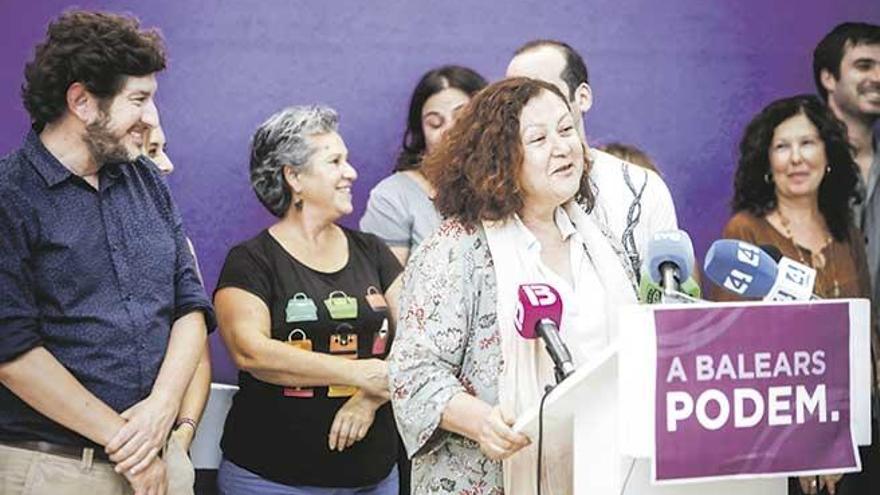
<point>536,302</point>
<point>740,267</point>
<point>772,250</point>
<point>671,246</point>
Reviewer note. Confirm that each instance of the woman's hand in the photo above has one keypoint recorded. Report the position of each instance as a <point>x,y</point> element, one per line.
<point>809,486</point>
<point>497,440</point>
<point>353,420</point>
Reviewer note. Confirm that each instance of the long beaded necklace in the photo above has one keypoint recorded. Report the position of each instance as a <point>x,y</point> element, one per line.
<point>818,259</point>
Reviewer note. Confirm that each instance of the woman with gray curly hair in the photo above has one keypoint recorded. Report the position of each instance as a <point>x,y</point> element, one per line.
<point>306,309</point>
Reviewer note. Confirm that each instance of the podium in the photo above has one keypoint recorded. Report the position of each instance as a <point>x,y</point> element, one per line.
<point>609,405</point>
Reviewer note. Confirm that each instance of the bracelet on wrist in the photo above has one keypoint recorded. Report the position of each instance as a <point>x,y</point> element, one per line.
<point>185,421</point>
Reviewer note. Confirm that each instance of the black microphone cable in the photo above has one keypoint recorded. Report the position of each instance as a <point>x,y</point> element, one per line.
<point>547,390</point>
<point>629,473</point>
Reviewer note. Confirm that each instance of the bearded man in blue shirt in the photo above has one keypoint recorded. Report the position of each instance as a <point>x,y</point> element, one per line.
<point>102,318</point>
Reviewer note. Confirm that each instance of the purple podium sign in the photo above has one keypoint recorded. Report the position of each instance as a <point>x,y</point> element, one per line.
<point>750,391</point>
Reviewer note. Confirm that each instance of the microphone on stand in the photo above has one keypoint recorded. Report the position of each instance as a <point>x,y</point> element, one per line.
<point>749,271</point>
<point>652,293</point>
<point>538,314</point>
<point>669,263</point>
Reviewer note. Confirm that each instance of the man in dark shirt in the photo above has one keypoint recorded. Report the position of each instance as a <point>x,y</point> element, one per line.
<point>102,316</point>
<point>846,70</point>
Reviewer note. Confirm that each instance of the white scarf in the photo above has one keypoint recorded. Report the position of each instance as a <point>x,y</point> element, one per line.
<point>527,366</point>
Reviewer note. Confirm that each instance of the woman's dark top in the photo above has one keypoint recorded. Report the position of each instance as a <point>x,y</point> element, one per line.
<point>281,433</point>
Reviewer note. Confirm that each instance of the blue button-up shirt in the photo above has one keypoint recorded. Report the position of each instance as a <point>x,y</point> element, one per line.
<point>96,277</point>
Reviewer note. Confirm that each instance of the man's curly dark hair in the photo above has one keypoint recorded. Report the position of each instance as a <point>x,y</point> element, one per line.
<point>96,49</point>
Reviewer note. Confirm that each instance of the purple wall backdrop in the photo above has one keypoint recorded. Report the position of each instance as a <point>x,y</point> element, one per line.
<point>678,78</point>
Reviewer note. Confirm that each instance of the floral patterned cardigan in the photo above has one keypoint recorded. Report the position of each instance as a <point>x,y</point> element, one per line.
<point>447,342</point>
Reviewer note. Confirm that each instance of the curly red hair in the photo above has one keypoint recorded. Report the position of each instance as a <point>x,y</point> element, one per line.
<point>476,168</point>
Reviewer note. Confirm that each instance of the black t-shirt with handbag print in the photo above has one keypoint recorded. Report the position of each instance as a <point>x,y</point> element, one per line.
<point>282,433</point>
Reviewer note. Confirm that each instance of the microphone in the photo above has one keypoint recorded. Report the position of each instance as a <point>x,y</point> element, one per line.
<point>772,250</point>
<point>794,282</point>
<point>538,313</point>
<point>651,293</point>
<point>749,271</point>
<point>740,267</point>
<point>670,259</point>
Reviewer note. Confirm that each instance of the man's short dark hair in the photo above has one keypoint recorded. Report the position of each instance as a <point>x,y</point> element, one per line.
<point>829,52</point>
<point>575,71</point>
<point>96,49</point>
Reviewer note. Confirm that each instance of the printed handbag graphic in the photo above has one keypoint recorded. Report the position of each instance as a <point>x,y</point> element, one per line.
<point>341,306</point>
<point>298,339</point>
<point>343,343</point>
<point>380,339</point>
<point>375,299</point>
<point>301,308</point>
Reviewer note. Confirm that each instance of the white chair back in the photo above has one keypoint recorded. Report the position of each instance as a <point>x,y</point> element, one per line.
<point>205,449</point>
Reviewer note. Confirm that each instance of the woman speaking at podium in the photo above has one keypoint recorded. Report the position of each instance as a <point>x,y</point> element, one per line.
<point>793,189</point>
<point>512,184</point>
